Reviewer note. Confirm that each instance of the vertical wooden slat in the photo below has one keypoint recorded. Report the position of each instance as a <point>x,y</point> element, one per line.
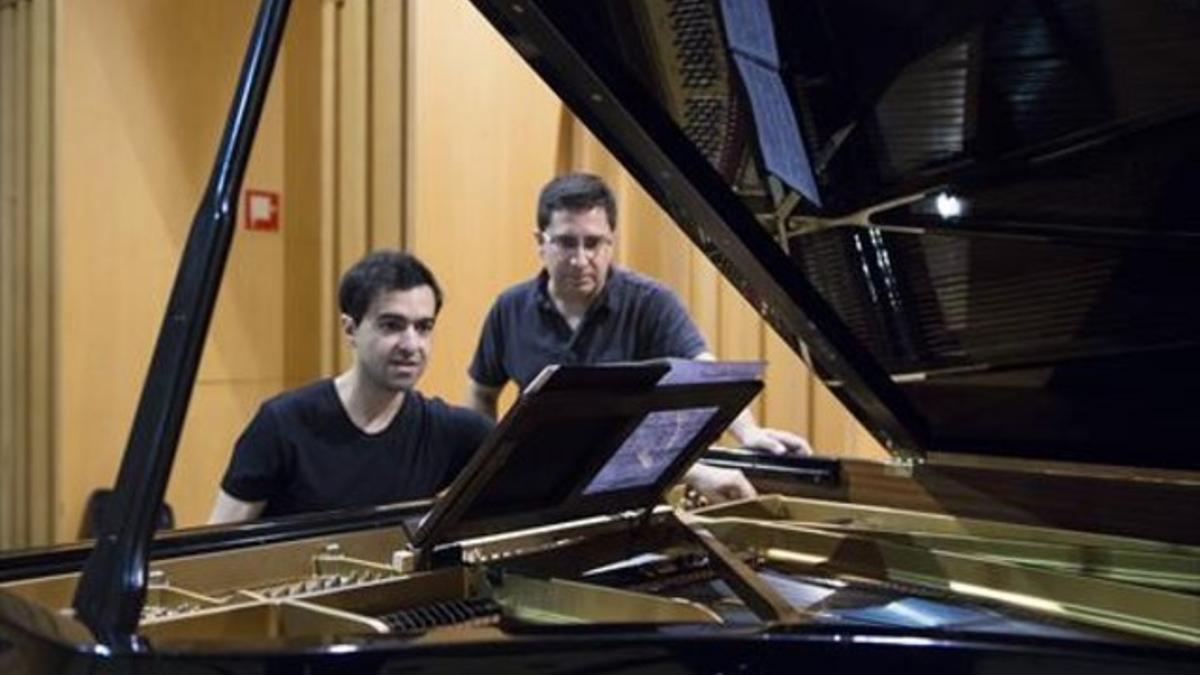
<point>26,349</point>
<point>639,241</point>
<point>41,274</point>
<point>833,431</point>
<point>384,146</point>
<point>330,337</point>
<point>786,403</point>
<point>8,168</point>
<point>308,308</point>
<point>409,132</point>
<point>703,300</point>
<point>740,334</point>
<point>19,264</point>
<point>352,156</point>
<point>353,92</point>
<point>564,156</point>
<point>812,383</point>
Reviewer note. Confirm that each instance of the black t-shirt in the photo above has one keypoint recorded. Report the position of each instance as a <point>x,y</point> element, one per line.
<point>301,452</point>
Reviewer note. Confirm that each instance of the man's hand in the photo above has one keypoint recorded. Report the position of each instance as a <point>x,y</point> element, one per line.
<point>775,441</point>
<point>715,485</point>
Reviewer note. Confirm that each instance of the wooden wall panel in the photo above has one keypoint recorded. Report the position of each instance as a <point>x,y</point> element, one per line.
<point>143,93</point>
<point>387,25</point>
<point>204,447</point>
<point>482,135</point>
<point>740,334</point>
<point>831,429</point>
<point>787,398</point>
<point>10,506</point>
<point>352,155</point>
<point>42,338</point>
<point>330,342</point>
<point>308,329</point>
<point>703,299</point>
<point>26,222</point>
<point>17,266</point>
<point>362,73</point>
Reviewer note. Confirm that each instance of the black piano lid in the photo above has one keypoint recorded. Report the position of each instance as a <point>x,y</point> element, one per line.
<point>974,216</point>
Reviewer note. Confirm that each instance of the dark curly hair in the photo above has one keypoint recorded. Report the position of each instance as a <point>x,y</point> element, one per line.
<point>382,272</point>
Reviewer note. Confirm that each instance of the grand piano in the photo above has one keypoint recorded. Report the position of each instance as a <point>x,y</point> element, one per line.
<point>973,219</point>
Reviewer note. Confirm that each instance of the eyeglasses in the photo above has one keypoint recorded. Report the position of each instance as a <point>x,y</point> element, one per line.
<point>569,243</point>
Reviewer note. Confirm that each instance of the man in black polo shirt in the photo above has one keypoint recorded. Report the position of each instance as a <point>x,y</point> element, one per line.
<point>582,309</point>
<point>366,436</point>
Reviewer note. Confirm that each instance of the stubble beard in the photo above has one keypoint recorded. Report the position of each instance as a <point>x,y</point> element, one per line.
<point>381,379</point>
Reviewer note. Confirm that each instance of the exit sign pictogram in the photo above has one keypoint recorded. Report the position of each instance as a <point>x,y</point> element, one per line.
<point>262,210</point>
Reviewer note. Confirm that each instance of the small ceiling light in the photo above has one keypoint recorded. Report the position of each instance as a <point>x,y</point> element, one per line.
<point>948,206</point>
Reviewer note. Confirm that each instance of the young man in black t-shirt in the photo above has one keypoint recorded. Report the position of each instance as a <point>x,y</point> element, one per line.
<point>366,436</point>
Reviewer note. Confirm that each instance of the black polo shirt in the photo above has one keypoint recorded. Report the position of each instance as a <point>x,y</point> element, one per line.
<point>634,318</point>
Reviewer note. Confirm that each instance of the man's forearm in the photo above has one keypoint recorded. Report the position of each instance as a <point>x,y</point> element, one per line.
<point>482,399</point>
<point>229,509</point>
<point>749,434</point>
<point>744,426</point>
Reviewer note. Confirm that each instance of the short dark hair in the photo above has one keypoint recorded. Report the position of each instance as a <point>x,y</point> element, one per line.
<point>575,192</point>
<point>383,272</point>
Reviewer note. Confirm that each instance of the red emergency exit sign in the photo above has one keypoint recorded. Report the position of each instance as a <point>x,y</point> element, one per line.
<point>262,210</point>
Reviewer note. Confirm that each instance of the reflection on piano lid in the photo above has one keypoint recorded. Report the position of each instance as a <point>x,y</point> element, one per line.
<point>970,214</point>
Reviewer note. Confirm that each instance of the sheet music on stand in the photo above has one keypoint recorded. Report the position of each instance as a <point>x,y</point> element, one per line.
<point>589,440</point>
<point>663,435</point>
